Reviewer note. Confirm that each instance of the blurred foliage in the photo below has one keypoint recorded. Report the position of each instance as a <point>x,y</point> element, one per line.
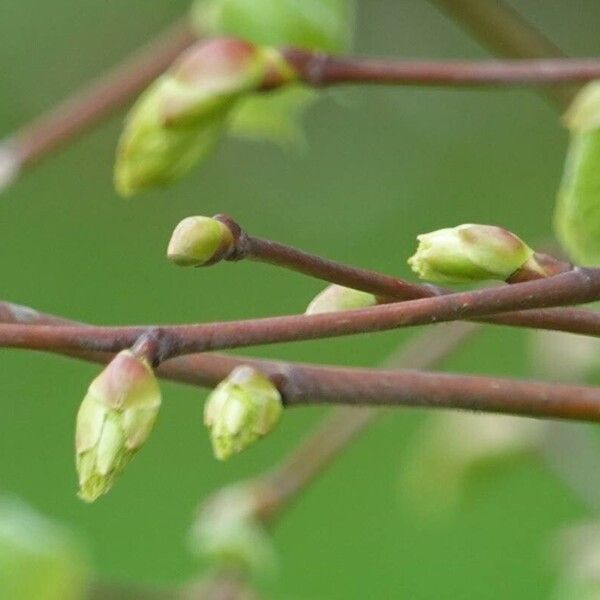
<point>386,165</point>
<point>38,558</point>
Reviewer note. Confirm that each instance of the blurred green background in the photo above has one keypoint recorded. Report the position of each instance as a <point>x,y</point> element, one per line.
<point>379,167</point>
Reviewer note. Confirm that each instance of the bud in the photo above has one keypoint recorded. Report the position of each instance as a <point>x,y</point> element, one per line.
<point>199,241</point>
<point>577,214</point>
<point>470,253</point>
<point>240,410</point>
<point>113,422</point>
<point>336,297</point>
<point>39,558</point>
<point>181,117</point>
<point>228,531</point>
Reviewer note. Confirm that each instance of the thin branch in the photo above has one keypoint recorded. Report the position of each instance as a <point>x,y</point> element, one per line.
<point>577,286</point>
<point>92,103</point>
<point>506,33</point>
<point>388,288</point>
<point>319,70</point>
<point>306,384</point>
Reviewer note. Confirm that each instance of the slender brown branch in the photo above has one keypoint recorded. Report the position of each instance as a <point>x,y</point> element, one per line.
<point>320,70</point>
<point>504,31</point>
<point>387,288</point>
<point>576,286</point>
<point>305,384</point>
<point>94,102</point>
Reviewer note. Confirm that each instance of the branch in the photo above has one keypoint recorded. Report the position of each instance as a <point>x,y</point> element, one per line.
<point>577,286</point>
<point>302,384</point>
<point>92,103</point>
<point>501,29</point>
<point>387,288</point>
<point>319,70</point>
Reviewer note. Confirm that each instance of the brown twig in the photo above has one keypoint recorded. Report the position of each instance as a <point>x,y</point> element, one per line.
<point>306,384</point>
<point>577,286</point>
<point>319,70</point>
<point>94,102</point>
<point>388,288</point>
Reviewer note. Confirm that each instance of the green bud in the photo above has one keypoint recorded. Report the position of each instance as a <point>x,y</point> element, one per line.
<point>114,420</point>
<point>577,215</point>
<point>229,533</point>
<point>336,297</point>
<point>39,558</point>
<point>240,410</point>
<point>469,253</point>
<point>181,117</point>
<point>199,241</point>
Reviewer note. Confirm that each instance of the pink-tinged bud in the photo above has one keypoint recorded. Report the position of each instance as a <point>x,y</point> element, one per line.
<point>113,422</point>
<point>181,117</point>
<point>470,253</point>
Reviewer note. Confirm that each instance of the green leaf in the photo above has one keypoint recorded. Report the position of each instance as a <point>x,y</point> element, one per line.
<point>274,117</point>
<point>325,25</point>
<point>577,217</point>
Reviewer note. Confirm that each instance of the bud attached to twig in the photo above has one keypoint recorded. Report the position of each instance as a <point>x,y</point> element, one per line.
<point>470,253</point>
<point>240,410</point>
<point>228,531</point>
<point>336,297</point>
<point>199,241</point>
<point>181,117</point>
<point>114,420</point>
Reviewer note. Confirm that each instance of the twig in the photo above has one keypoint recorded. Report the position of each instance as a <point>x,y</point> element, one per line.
<point>94,102</point>
<point>577,286</point>
<point>320,70</point>
<point>387,288</point>
<point>501,29</point>
<point>305,384</point>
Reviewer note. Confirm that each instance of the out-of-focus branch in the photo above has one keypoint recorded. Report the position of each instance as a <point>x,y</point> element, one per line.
<point>334,434</point>
<point>506,33</point>
<point>92,103</point>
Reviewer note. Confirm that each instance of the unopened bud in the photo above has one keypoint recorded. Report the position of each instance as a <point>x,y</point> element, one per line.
<point>228,531</point>
<point>199,241</point>
<point>180,118</point>
<point>114,420</point>
<point>469,253</point>
<point>336,297</point>
<point>240,410</point>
